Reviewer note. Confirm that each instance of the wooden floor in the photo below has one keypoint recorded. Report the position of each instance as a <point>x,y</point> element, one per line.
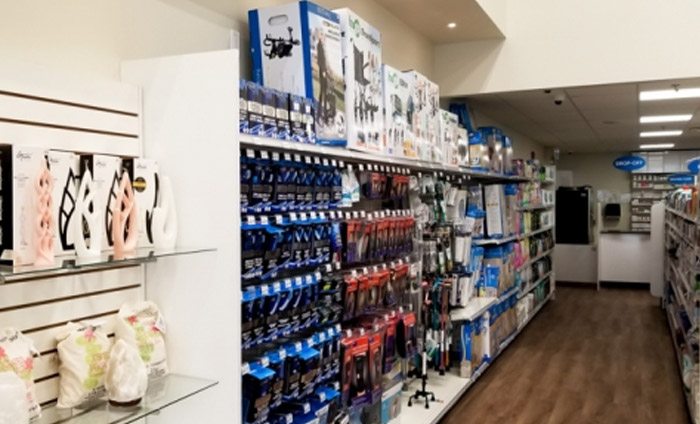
<point>588,357</point>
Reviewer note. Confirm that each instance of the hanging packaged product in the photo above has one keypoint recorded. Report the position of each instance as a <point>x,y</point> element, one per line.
<point>17,357</point>
<point>297,48</point>
<point>83,351</point>
<point>478,152</point>
<point>142,326</point>
<point>362,59</point>
<point>257,386</point>
<point>425,119</point>
<point>399,108</point>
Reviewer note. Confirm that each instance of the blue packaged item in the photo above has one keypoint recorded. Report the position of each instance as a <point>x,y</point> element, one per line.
<point>476,259</point>
<point>284,128</point>
<point>243,106</point>
<point>492,275</point>
<point>391,403</point>
<point>478,152</point>
<point>256,125</point>
<point>269,107</point>
<point>296,119</point>
<point>494,140</point>
<point>257,387</point>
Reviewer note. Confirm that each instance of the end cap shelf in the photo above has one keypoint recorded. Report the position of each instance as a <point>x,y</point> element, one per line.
<point>72,264</point>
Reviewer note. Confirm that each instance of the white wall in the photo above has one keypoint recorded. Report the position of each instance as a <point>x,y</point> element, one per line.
<point>554,43</point>
<point>92,38</point>
<point>596,170</point>
<point>522,145</point>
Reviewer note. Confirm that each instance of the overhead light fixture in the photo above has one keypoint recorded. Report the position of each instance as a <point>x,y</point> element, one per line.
<point>657,146</point>
<point>656,119</point>
<point>452,25</point>
<point>680,93</point>
<point>662,133</point>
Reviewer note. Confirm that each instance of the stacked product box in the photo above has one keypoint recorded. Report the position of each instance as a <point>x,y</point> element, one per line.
<point>297,48</point>
<point>448,138</point>
<point>398,114</point>
<point>424,124</point>
<point>266,112</point>
<point>362,56</point>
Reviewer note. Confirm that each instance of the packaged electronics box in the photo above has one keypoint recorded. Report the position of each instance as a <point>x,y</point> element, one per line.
<point>362,57</point>
<point>398,114</point>
<point>425,117</point>
<point>448,137</point>
<point>65,170</point>
<point>20,170</point>
<point>144,180</point>
<point>297,48</point>
<point>106,174</point>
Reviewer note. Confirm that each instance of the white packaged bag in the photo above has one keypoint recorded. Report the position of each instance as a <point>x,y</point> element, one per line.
<point>142,326</point>
<point>17,356</point>
<point>83,351</point>
<point>127,376</point>
<point>13,399</point>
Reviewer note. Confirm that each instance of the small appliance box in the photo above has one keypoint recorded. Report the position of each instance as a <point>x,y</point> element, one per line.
<point>398,114</point>
<point>362,58</point>
<point>462,146</point>
<point>425,120</point>
<point>391,403</point>
<point>448,137</point>
<point>106,174</point>
<point>20,170</point>
<point>65,170</point>
<point>144,180</point>
<point>494,201</point>
<point>297,48</point>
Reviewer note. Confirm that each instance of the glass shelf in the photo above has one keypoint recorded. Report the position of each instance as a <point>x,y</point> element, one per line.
<point>161,393</point>
<point>73,264</point>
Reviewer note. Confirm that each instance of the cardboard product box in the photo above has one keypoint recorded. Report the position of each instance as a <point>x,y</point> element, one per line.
<point>425,120</point>
<point>20,169</point>
<point>269,107</point>
<point>462,146</point>
<point>254,101</point>
<point>391,403</point>
<point>243,106</point>
<point>494,201</point>
<point>297,48</point>
<point>284,126</point>
<point>106,174</point>
<point>398,114</point>
<point>65,170</point>
<point>448,137</point>
<point>362,56</point>
<point>144,180</point>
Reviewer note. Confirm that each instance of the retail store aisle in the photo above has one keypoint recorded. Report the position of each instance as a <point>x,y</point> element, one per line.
<point>590,357</point>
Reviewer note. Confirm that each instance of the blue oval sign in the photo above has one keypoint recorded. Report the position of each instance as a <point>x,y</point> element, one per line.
<point>629,163</point>
<point>694,165</point>
<point>681,179</point>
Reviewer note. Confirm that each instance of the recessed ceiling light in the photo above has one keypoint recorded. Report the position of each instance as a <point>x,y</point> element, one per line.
<point>655,119</point>
<point>662,133</point>
<point>657,146</point>
<point>681,93</point>
<point>452,25</point>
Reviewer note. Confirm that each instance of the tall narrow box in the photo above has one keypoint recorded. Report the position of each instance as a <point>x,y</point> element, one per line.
<point>143,173</point>
<point>448,138</point>
<point>494,202</point>
<point>106,174</point>
<point>65,171</point>
<point>297,48</point>
<point>398,114</point>
<point>362,58</point>
<point>425,95</point>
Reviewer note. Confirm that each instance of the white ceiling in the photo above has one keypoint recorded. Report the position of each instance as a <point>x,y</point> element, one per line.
<point>430,18</point>
<point>594,118</point>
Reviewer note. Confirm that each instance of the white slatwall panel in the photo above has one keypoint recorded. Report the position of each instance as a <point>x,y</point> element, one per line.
<point>41,108</point>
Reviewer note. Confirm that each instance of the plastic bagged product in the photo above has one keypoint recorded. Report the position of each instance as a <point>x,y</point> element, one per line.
<point>17,356</point>
<point>126,377</point>
<point>13,399</point>
<point>83,351</point>
<point>141,325</point>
